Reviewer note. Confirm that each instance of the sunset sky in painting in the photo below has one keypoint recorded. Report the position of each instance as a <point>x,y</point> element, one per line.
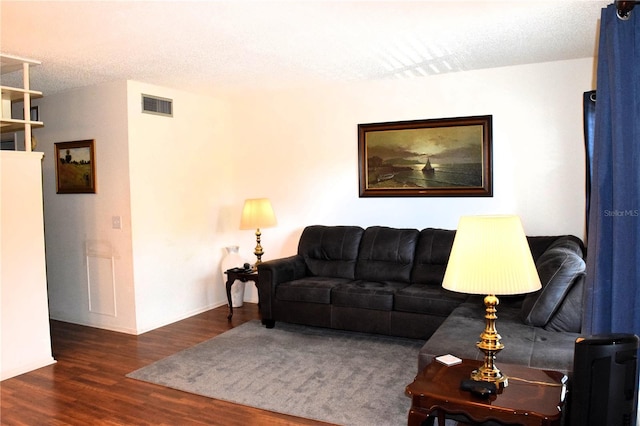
<point>443,144</point>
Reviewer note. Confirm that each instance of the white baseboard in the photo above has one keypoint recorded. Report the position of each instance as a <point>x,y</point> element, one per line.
<point>181,317</point>
<point>153,326</point>
<point>16,371</point>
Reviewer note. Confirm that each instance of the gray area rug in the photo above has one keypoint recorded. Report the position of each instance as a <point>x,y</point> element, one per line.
<point>339,377</point>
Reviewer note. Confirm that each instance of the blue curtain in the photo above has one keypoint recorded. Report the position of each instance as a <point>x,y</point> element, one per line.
<point>612,296</point>
<point>589,117</point>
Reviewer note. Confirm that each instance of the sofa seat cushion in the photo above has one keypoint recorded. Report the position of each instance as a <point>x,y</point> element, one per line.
<point>366,294</point>
<point>309,289</point>
<point>428,299</point>
<point>523,344</point>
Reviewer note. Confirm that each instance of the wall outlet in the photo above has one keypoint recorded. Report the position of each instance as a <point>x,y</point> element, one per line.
<point>116,222</point>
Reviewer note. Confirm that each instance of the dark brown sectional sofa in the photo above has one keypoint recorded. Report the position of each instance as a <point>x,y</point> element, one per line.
<point>388,281</point>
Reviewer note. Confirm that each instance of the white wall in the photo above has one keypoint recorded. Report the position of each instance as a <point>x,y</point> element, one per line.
<point>180,179</point>
<point>179,183</point>
<point>164,178</point>
<point>24,316</point>
<point>79,233</point>
<point>303,146</point>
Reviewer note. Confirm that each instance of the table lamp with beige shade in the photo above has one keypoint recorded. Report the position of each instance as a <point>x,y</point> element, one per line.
<point>257,213</point>
<point>491,257</point>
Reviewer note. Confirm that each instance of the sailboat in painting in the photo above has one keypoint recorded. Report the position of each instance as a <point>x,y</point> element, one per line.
<point>428,168</point>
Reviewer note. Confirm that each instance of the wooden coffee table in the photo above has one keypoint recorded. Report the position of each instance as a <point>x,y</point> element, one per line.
<point>532,397</point>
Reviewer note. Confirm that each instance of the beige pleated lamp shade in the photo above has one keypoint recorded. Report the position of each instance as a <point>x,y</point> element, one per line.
<point>257,213</point>
<point>490,255</point>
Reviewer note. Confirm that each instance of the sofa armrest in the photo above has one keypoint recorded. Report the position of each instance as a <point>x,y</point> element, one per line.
<point>270,274</point>
<point>560,268</point>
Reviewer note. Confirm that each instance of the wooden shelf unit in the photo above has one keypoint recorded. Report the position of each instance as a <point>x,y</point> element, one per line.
<point>10,64</point>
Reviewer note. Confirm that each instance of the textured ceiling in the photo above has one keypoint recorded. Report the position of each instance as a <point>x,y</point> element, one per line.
<point>213,46</point>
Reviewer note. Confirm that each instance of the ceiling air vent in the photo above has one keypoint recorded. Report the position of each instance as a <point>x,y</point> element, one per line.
<point>156,105</point>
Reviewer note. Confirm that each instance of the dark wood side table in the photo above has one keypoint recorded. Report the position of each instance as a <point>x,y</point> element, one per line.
<point>232,276</point>
<point>532,397</point>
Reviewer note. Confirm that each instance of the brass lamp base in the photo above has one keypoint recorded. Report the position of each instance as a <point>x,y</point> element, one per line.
<point>258,250</point>
<point>490,344</point>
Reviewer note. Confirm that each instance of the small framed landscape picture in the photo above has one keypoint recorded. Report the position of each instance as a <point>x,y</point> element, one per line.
<point>75,167</point>
<point>448,157</point>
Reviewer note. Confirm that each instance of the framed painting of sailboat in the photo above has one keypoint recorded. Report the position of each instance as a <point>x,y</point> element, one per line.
<point>446,157</point>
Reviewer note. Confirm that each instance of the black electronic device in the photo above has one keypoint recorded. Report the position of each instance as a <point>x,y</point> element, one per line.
<point>605,381</point>
<point>243,270</point>
<point>481,389</point>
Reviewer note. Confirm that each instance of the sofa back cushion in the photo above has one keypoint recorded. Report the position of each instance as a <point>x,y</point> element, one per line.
<point>431,257</point>
<point>386,254</point>
<point>559,268</point>
<point>330,251</point>
<point>539,244</point>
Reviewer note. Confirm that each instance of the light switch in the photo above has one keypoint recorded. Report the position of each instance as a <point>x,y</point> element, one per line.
<point>116,222</point>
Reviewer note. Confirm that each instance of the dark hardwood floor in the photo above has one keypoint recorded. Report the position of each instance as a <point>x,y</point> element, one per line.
<point>87,385</point>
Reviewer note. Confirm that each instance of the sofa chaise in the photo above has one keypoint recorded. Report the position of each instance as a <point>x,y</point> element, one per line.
<point>388,281</point>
